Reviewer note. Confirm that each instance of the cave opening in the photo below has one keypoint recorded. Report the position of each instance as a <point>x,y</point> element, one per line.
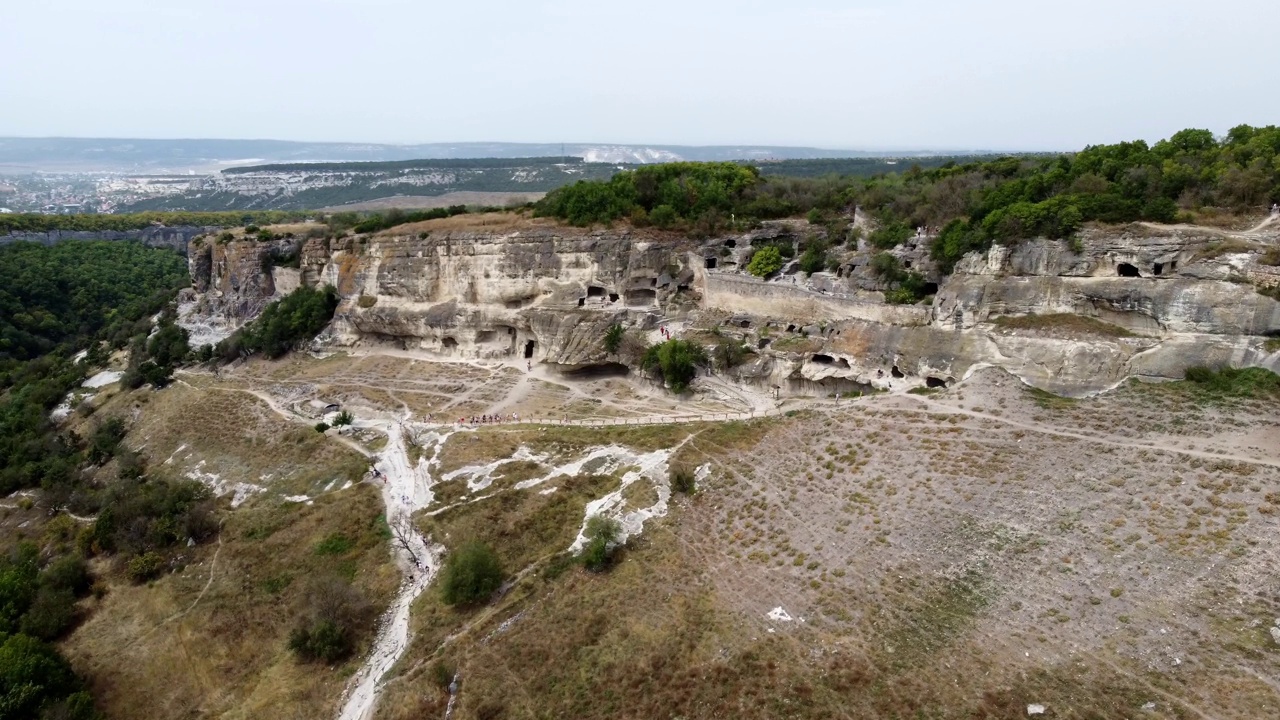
<point>896,372</point>
<point>598,371</point>
<point>710,263</point>
<point>1127,270</point>
<point>764,343</point>
<point>528,348</point>
<point>930,288</point>
<point>823,359</point>
<point>449,343</point>
<point>731,243</point>
<point>641,296</point>
<point>1157,269</point>
<point>744,323</point>
<point>935,382</point>
<point>613,297</point>
<point>484,336</point>
<point>595,291</point>
<point>582,302</point>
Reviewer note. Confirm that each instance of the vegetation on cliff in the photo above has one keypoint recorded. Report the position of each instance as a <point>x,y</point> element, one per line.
<point>976,203</point>
<point>675,361</point>
<point>283,324</point>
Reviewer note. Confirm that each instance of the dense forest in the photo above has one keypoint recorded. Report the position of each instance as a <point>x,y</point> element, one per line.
<point>35,223</point>
<point>97,296</point>
<point>976,203</point>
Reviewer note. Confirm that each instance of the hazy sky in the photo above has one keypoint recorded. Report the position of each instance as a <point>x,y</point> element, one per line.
<point>963,74</point>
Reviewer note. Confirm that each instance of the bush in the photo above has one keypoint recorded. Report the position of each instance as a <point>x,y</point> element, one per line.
<point>613,338</point>
<point>322,640</point>
<point>297,317</point>
<point>675,361</point>
<point>34,679</point>
<point>50,614</point>
<point>470,575</point>
<point>814,258</point>
<point>602,537</point>
<point>333,611</point>
<point>765,261</point>
<point>683,480</point>
<point>343,418</point>
<point>144,566</point>
<point>890,235</point>
<point>321,427</point>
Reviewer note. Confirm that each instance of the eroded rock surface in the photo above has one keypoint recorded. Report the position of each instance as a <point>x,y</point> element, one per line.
<point>1176,297</point>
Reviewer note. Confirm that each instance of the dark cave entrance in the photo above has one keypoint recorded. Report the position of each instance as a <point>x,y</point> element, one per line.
<point>1127,270</point>
<point>449,343</point>
<point>896,372</point>
<point>528,348</point>
<point>935,382</point>
<point>711,263</point>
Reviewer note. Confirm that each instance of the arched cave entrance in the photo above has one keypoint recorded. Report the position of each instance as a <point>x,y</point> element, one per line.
<point>935,382</point>
<point>896,372</point>
<point>528,348</point>
<point>1127,270</point>
<point>598,371</point>
<point>449,343</point>
<point>930,288</point>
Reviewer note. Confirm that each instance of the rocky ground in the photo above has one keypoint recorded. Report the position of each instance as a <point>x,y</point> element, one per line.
<point>970,552</point>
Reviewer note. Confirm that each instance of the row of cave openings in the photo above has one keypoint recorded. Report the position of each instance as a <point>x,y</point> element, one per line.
<point>894,372</point>
<point>488,337</point>
<point>1157,269</point>
<point>635,297</point>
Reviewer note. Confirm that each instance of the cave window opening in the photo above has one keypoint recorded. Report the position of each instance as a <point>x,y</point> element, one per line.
<point>823,359</point>
<point>935,382</point>
<point>1127,270</point>
<point>731,243</point>
<point>764,343</point>
<point>791,328</point>
<point>613,297</point>
<point>449,343</point>
<point>744,323</point>
<point>528,348</point>
<point>931,288</point>
<point>582,302</point>
<point>896,372</point>
<point>595,291</point>
<point>1158,269</point>
<point>711,263</point>
<point>906,264</point>
<point>1173,265</point>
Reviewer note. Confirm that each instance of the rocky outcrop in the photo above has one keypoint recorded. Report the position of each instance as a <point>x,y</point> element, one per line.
<point>1176,298</point>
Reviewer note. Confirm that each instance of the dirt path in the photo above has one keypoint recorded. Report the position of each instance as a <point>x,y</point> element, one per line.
<point>406,487</point>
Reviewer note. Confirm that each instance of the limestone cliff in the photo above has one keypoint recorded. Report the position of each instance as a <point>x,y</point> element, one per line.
<point>1175,297</point>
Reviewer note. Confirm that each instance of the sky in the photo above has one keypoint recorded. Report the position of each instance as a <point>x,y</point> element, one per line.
<point>859,74</point>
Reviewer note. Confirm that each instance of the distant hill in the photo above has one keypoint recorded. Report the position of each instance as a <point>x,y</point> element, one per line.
<point>23,155</point>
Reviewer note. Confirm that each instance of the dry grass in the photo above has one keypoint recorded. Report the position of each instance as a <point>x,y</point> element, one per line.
<point>228,654</point>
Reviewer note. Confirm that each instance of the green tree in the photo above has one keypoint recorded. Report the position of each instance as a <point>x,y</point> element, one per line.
<point>765,261</point>
<point>675,361</point>
<point>602,540</point>
<point>471,574</point>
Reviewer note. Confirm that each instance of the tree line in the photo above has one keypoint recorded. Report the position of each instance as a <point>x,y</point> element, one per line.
<point>38,223</point>
<point>976,204</point>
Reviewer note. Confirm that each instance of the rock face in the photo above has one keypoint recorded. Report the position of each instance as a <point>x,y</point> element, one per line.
<point>1171,299</point>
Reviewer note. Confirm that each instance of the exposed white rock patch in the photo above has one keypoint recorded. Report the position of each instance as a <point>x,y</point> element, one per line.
<point>102,379</point>
<point>779,614</point>
<point>652,468</point>
<point>239,491</point>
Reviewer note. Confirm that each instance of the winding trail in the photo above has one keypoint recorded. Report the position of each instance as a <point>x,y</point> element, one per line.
<point>406,487</point>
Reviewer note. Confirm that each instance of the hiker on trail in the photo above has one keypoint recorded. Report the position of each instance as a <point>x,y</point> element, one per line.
<point>529,366</point>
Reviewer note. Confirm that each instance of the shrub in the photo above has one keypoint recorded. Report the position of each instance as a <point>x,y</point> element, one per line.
<point>321,640</point>
<point>50,614</point>
<point>683,480</point>
<point>889,235</point>
<point>613,338</point>
<point>675,361</point>
<point>34,677</point>
<point>321,427</point>
<point>333,611</point>
<point>602,536</point>
<point>814,258</point>
<point>470,575</point>
<point>765,261</point>
<point>144,566</point>
<point>343,418</point>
